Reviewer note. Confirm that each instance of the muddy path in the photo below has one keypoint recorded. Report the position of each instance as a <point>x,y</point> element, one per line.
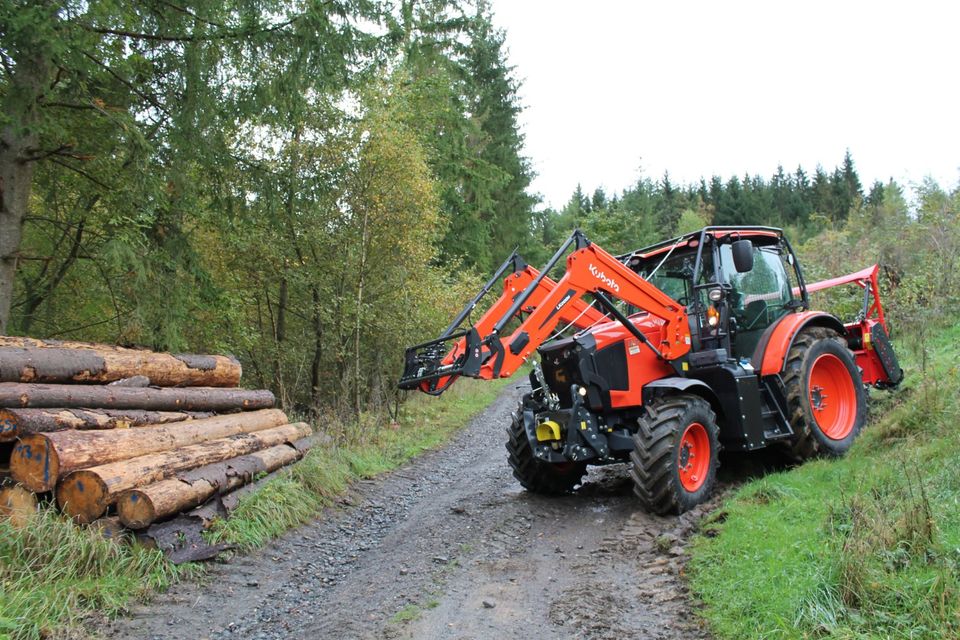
<point>449,547</point>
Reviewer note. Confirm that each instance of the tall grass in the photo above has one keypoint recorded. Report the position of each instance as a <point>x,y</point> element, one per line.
<point>54,574</point>
<point>867,546</point>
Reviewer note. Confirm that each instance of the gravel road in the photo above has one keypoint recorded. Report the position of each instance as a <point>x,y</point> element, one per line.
<point>450,546</point>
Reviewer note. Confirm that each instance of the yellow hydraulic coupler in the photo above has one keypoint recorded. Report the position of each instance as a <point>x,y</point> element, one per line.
<point>547,431</point>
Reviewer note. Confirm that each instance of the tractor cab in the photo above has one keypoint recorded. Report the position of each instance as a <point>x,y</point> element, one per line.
<point>735,283</point>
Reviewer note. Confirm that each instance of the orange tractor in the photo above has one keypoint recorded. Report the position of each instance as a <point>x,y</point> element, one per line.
<point>702,342</point>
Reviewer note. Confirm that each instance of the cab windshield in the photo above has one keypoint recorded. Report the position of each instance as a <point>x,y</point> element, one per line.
<point>675,275</point>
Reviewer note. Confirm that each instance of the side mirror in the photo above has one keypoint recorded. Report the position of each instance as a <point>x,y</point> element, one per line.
<point>742,255</point>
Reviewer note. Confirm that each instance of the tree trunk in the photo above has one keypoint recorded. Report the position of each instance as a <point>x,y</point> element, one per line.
<point>17,139</point>
<point>361,272</point>
<point>21,422</point>
<point>37,361</point>
<point>39,460</point>
<point>54,396</point>
<point>138,508</point>
<point>86,494</point>
<point>316,365</point>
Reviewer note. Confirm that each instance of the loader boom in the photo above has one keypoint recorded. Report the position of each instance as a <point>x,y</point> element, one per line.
<point>482,352</point>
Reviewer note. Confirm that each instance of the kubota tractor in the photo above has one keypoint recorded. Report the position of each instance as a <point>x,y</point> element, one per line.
<point>702,342</point>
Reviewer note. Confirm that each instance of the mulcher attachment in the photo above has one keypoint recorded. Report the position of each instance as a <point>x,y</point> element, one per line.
<point>888,359</point>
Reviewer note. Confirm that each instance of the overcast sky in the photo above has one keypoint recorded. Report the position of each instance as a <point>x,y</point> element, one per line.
<point>613,90</point>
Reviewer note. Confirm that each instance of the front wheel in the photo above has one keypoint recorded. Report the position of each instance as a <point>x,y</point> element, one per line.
<point>535,474</point>
<point>675,454</point>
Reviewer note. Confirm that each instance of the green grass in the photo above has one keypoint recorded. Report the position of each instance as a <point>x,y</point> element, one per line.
<point>298,494</point>
<point>407,614</point>
<point>867,546</point>
<point>53,574</point>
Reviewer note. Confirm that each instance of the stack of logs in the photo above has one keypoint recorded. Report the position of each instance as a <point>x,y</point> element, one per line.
<point>101,428</point>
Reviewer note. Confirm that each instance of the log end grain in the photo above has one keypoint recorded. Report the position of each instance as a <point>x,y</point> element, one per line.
<point>83,496</point>
<point>136,509</point>
<point>17,504</point>
<point>34,463</point>
<point>9,426</point>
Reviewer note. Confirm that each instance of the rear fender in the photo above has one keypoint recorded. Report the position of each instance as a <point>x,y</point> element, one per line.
<point>776,341</point>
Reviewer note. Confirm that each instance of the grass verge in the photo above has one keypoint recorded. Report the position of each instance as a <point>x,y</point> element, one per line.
<point>867,546</point>
<point>54,575</point>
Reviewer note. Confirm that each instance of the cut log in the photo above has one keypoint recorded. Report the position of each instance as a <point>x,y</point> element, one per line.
<point>111,529</point>
<point>24,341</point>
<point>132,381</point>
<point>55,396</point>
<point>39,460</point>
<point>98,365</point>
<point>20,422</point>
<point>138,508</point>
<point>86,494</point>
<point>16,503</point>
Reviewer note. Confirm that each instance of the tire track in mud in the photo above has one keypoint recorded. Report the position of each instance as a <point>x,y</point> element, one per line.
<point>450,546</point>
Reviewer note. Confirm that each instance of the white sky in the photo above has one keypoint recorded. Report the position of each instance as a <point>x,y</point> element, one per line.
<point>612,89</point>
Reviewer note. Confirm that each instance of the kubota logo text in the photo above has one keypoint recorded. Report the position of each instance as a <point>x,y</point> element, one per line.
<point>600,275</point>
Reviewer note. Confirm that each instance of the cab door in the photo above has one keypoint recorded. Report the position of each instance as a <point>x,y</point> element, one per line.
<point>758,297</point>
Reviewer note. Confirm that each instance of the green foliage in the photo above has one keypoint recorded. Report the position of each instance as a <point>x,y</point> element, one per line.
<point>284,181</point>
<point>651,211</point>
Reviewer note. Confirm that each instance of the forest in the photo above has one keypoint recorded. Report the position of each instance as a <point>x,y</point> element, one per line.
<point>313,185</point>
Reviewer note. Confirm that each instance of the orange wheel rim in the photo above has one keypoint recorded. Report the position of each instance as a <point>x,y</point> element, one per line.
<point>833,398</point>
<point>693,459</point>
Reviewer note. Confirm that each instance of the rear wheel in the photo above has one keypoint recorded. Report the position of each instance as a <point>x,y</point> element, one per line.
<point>825,394</point>
<point>675,454</point>
<point>534,474</point>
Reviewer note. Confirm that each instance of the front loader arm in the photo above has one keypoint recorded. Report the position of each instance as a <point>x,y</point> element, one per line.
<point>591,270</point>
<point>433,381</point>
<point>480,352</point>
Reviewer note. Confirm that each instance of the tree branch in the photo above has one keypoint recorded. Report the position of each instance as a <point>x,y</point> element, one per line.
<point>150,99</point>
<point>166,37</point>
<point>56,160</point>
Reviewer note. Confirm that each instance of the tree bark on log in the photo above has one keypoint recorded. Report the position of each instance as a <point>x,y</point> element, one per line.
<point>85,494</point>
<point>139,508</point>
<point>55,396</point>
<point>39,460</point>
<point>96,364</point>
<point>18,422</point>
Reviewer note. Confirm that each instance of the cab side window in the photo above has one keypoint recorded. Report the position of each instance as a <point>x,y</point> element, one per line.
<point>760,297</point>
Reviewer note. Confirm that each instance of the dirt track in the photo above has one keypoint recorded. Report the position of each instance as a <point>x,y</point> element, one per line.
<point>450,547</point>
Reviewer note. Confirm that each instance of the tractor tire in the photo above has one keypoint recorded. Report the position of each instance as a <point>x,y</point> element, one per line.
<point>675,454</point>
<point>826,399</point>
<point>535,475</point>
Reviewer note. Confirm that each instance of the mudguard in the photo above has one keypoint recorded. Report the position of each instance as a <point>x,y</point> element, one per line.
<point>776,341</point>
<point>683,385</point>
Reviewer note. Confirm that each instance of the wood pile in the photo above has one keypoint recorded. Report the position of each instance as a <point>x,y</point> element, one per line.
<point>106,430</point>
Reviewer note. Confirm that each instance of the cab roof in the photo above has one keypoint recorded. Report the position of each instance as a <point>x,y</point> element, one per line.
<point>692,239</point>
